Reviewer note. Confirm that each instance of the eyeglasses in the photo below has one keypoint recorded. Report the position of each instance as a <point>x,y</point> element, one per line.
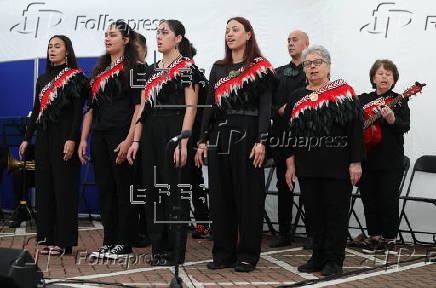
<point>316,62</point>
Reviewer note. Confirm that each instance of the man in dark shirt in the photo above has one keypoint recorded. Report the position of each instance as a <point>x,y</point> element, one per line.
<point>291,77</point>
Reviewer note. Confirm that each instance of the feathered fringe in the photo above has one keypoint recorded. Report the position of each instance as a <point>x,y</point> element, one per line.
<point>161,86</point>
<point>335,104</point>
<point>242,90</point>
<point>66,88</point>
<point>104,83</point>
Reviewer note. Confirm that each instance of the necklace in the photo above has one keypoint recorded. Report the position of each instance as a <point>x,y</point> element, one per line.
<point>175,59</point>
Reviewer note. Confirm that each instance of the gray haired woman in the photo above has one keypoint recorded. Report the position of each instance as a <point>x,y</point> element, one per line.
<point>325,153</point>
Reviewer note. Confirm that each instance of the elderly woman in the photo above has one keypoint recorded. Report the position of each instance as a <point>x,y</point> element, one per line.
<point>384,166</point>
<point>325,150</point>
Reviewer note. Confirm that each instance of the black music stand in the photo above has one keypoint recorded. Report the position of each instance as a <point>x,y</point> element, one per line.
<point>12,133</point>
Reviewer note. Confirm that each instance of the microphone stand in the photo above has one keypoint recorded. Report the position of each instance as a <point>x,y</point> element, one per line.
<point>177,282</point>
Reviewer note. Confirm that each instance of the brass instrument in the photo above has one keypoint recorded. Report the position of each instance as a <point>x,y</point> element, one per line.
<point>14,164</point>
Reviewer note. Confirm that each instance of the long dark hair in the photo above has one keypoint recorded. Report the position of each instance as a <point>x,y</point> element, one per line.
<point>185,46</point>
<point>251,48</point>
<point>71,57</point>
<point>130,52</point>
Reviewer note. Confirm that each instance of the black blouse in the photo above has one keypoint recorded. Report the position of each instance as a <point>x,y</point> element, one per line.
<point>68,107</point>
<point>389,153</point>
<point>114,111</point>
<point>256,99</point>
<point>326,156</point>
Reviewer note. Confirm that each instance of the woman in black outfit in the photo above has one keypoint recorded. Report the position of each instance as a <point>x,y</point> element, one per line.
<point>383,169</point>
<point>233,138</point>
<point>56,116</point>
<point>326,144</point>
<point>112,106</point>
<point>168,106</point>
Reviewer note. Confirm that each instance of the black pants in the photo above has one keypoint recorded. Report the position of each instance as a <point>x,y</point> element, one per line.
<point>236,191</point>
<point>57,189</point>
<point>113,183</point>
<point>164,183</point>
<point>199,196</point>
<point>328,201</point>
<point>140,213</point>
<point>380,196</point>
<point>285,196</point>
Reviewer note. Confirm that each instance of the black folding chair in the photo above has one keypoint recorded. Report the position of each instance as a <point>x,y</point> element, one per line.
<point>426,163</point>
<point>269,164</point>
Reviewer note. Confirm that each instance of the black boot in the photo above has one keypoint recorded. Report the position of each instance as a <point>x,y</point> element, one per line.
<point>331,268</point>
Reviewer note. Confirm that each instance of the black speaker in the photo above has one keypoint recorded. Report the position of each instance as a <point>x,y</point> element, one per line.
<point>18,269</point>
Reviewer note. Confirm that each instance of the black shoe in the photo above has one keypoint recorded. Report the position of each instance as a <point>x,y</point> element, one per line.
<point>141,241</point>
<point>308,244</point>
<point>374,247</point>
<point>119,251</point>
<point>244,267</point>
<point>102,251</point>
<point>331,268</point>
<point>214,266</point>
<point>281,241</point>
<point>163,261</point>
<point>310,267</point>
<point>200,232</point>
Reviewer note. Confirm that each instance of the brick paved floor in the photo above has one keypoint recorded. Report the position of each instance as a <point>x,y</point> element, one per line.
<point>276,266</point>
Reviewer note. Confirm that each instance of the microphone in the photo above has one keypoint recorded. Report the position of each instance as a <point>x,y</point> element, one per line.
<point>184,134</point>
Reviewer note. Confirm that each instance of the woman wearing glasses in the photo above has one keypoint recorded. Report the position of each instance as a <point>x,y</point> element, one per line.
<point>325,149</point>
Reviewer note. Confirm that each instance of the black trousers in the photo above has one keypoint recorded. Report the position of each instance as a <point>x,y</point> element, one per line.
<point>328,201</point>
<point>285,197</point>
<point>140,215</point>
<point>199,196</point>
<point>380,197</point>
<point>236,191</point>
<point>164,184</point>
<point>113,183</point>
<point>57,189</point>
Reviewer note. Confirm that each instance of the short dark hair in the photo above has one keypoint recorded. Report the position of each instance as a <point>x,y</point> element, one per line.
<point>388,65</point>
<point>141,40</point>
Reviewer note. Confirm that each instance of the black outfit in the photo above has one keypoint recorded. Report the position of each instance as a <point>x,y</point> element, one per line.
<point>160,176</point>
<point>237,197</point>
<point>141,238</point>
<point>383,171</point>
<point>322,170</point>
<point>113,109</point>
<point>57,181</point>
<point>291,77</point>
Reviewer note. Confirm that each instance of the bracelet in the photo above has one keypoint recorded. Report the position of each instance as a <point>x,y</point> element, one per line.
<point>136,141</point>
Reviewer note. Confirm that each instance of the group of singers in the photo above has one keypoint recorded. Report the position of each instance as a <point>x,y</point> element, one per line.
<point>316,135</point>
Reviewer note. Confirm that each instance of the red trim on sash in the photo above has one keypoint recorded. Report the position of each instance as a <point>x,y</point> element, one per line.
<point>227,84</point>
<point>48,94</point>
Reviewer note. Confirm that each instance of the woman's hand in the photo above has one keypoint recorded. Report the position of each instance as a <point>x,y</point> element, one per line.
<point>200,154</point>
<point>355,170</point>
<point>81,151</point>
<point>180,160</point>
<point>131,154</point>
<point>258,151</point>
<point>69,149</point>
<point>290,172</point>
<point>22,149</point>
<point>122,150</point>
<point>388,115</point>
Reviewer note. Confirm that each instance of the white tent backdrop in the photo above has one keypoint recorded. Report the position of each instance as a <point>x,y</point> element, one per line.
<point>355,32</point>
